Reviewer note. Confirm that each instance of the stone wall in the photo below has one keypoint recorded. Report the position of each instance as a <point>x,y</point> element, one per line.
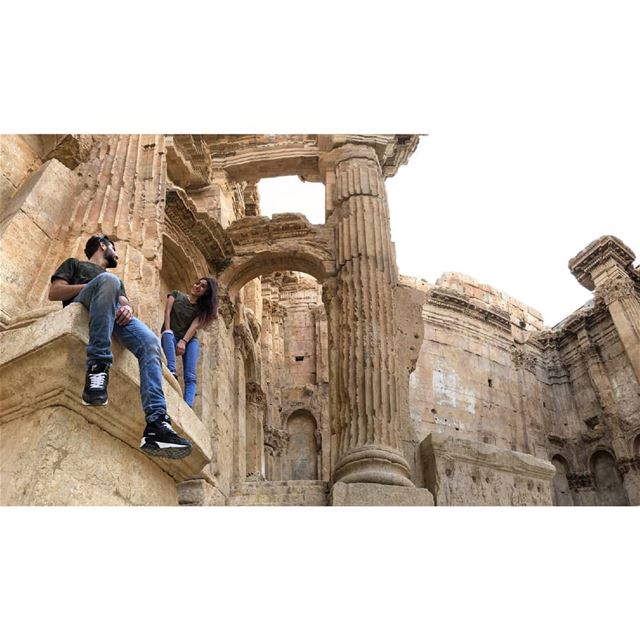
<point>324,365</point>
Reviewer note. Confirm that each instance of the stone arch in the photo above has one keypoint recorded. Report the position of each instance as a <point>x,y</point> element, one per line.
<point>562,496</point>
<point>303,450</point>
<point>285,242</point>
<point>606,479</point>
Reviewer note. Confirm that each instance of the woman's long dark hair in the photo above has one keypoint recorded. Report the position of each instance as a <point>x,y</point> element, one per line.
<point>207,303</point>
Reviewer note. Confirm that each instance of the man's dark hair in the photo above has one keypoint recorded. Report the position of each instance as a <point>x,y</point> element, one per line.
<point>93,244</point>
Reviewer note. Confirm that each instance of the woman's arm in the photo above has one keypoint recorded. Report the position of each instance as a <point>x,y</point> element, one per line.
<point>182,343</point>
<point>167,312</point>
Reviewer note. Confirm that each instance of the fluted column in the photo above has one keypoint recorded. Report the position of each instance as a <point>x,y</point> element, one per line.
<point>606,265</point>
<point>362,322</point>
<point>123,196</point>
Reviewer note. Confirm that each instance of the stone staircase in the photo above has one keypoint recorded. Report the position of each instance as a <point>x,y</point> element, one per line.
<point>285,493</point>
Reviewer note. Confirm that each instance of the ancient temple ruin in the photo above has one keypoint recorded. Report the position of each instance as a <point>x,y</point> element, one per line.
<point>329,378</point>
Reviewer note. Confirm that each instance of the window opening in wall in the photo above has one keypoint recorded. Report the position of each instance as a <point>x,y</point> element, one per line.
<point>490,382</point>
<point>299,358</point>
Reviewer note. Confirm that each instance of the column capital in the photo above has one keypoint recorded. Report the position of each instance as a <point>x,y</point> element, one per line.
<point>600,260</point>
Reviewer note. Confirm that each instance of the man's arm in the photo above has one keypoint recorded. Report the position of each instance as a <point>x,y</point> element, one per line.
<point>60,290</point>
<point>124,314</point>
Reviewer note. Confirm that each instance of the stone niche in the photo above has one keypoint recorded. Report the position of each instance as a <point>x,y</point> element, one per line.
<point>56,451</point>
<point>467,473</point>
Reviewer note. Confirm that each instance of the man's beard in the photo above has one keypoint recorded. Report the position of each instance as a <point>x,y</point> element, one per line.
<point>112,263</point>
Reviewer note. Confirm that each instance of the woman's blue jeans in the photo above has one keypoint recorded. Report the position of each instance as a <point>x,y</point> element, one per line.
<point>189,362</point>
<point>100,297</point>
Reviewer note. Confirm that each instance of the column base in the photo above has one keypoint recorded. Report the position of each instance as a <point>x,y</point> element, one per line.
<point>370,494</point>
<point>373,464</point>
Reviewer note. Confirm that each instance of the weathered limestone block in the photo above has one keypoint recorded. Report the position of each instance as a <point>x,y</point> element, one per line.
<point>42,366</point>
<point>200,493</point>
<point>54,456</point>
<point>17,160</point>
<point>369,494</point>
<point>31,228</point>
<point>462,472</point>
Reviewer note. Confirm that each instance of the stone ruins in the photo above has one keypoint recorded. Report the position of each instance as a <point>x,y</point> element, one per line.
<point>328,379</point>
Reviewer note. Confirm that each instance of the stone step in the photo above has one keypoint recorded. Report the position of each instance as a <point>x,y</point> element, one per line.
<point>281,493</point>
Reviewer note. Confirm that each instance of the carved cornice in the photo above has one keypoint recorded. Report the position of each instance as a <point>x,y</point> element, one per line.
<point>200,229</point>
<point>392,151</point>
<point>276,440</point>
<point>628,464</point>
<point>523,359</point>
<point>457,301</point>
<point>599,251</point>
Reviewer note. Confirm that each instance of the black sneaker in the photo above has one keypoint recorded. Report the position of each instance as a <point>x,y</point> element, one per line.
<point>95,386</point>
<point>159,439</point>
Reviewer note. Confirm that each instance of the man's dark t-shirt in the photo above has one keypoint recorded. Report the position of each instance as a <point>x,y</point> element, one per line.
<point>75,271</point>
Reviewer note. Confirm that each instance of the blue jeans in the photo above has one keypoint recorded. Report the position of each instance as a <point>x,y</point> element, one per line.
<point>100,297</point>
<point>189,361</point>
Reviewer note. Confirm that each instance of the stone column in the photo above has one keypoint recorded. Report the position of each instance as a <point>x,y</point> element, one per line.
<point>362,321</point>
<point>255,410</point>
<point>603,391</point>
<point>629,468</point>
<point>606,265</point>
<point>123,196</point>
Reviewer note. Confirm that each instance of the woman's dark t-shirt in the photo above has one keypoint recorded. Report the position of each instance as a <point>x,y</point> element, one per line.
<point>182,313</point>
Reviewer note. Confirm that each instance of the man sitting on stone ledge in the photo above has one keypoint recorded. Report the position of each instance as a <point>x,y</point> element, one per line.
<point>110,313</point>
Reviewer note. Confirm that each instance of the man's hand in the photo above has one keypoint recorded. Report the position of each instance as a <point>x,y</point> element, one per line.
<point>124,315</point>
<point>180,347</point>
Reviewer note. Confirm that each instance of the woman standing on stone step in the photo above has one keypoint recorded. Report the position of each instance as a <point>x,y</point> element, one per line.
<point>184,314</point>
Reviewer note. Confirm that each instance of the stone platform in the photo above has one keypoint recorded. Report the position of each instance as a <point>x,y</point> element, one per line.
<point>56,451</point>
<point>467,473</point>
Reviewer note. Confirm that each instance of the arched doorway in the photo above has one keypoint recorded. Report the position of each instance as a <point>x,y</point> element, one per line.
<point>607,480</point>
<point>303,450</point>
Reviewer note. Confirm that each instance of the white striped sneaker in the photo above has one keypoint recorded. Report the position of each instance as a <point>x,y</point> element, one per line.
<point>159,439</point>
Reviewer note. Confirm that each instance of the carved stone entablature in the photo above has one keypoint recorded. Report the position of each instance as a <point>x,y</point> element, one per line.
<point>461,302</point>
<point>286,242</point>
<point>392,150</point>
<point>593,435</point>
<point>251,157</point>
<point>628,464</point>
<point>523,359</point>
<point>595,254</point>
<point>183,220</point>
<point>251,200</point>
<point>256,395</point>
<point>616,289</point>
<point>556,440</point>
<point>276,441</point>
<point>580,481</point>
<point>188,161</point>
<point>72,150</point>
